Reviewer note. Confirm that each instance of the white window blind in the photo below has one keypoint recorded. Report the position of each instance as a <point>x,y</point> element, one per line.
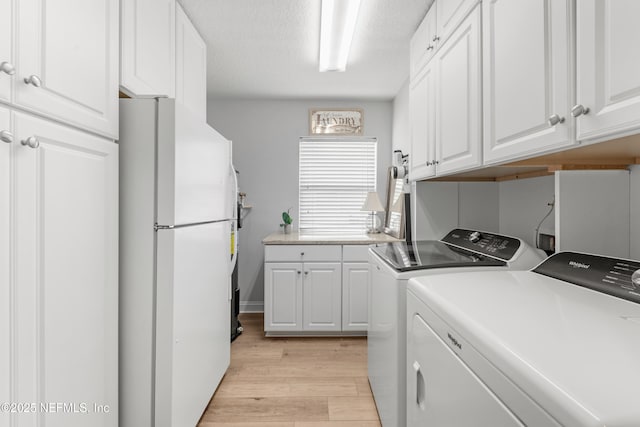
<point>335,176</point>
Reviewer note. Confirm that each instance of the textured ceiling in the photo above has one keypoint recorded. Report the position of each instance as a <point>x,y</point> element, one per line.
<point>269,48</point>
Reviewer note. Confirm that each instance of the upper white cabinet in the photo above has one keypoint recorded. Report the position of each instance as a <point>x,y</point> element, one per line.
<point>147,47</point>
<point>441,20</point>
<point>59,192</point>
<point>422,46</point>
<point>191,65</point>
<point>458,107</point>
<point>445,105</point>
<point>527,65</point>
<point>422,101</point>
<point>7,59</point>
<point>67,61</point>
<point>450,14</point>
<point>608,69</point>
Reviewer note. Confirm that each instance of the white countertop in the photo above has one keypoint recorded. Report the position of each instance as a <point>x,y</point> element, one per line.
<point>296,238</point>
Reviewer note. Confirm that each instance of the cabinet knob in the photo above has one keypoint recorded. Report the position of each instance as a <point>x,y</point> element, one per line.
<point>306,273</point>
<point>430,47</point>
<point>554,119</point>
<point>301,253</point>
<point>7,68</point>
<point>6,136</point>
<point>579,110</point>
<point>32,142</point>
<point>436,162</point>
<point>299,272</point>
<point>33,80</point>
<point>436,38</point>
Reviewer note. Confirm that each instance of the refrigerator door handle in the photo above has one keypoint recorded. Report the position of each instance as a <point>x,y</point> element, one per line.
<point>157,227</point>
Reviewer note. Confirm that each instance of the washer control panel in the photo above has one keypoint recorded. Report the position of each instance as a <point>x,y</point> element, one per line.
<point>495,245</point>
<point>616,277</point>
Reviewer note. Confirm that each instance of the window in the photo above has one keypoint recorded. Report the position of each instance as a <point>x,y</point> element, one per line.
<point>335,176</point>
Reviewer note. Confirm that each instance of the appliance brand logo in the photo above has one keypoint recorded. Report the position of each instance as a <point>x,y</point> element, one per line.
<point>454,341</point>
<point>576,264</point>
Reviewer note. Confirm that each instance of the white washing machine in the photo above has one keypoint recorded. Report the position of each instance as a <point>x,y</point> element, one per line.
<point>555,346</point>
<point>391,266</point>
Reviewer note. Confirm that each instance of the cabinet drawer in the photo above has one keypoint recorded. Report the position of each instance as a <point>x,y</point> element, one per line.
<point>355,253</point>
<point>284,253</point>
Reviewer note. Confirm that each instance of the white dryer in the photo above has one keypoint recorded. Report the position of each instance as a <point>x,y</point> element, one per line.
<point>391,266</point>
<point>555,346</point>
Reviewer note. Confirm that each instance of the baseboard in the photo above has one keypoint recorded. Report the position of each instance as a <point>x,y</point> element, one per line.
<point>251,307</point>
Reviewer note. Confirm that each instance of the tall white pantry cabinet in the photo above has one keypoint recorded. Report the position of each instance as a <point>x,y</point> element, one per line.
<point>58,213</point>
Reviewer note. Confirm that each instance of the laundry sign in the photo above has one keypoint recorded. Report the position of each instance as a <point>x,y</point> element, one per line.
<point>336,121</point>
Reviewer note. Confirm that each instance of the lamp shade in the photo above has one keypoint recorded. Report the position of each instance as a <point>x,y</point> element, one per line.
<point>372,202</point>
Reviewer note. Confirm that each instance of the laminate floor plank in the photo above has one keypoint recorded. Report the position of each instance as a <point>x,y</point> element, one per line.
<point>293,382</point>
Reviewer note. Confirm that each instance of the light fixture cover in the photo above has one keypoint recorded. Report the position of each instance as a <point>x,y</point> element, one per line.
<point>372,202</point>
<point>337,26</point>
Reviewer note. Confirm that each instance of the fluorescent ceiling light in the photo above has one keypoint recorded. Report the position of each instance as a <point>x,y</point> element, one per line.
<point>336,32</point>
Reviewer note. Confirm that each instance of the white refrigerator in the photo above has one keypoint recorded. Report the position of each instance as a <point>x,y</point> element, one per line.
<point>177,216</point>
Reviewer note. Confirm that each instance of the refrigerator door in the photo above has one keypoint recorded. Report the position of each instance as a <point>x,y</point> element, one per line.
<point>194,173</point>
<point>192,320</point>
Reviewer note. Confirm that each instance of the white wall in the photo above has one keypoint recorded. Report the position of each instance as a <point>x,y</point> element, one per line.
<point>523,204</point>
<point>513,208</point>
<point>592,212</point>
<point>265,135</point>
<point>401,127</point>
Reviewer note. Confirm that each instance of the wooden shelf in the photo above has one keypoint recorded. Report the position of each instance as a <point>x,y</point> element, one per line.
<point>610,155</point>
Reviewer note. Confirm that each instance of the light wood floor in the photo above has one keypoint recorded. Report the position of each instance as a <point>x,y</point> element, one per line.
<point>293,382</point>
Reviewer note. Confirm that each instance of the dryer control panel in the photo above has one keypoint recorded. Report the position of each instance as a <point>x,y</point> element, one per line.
<point>494,245</point>
<point>613,276</point>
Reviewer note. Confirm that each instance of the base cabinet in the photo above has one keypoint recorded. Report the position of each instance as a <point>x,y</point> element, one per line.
<point>59,283</point>
<point>316,288</point>
<point>355,296</point>
<point>321,297</point>
<point>283,296</point>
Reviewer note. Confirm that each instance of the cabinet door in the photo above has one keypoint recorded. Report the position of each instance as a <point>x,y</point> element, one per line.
<point>355,296</point>
<point>450,14</point>
<point>66,272</point>
<point>608,69</point>
<point>71,48</point>
<point>191,66</point>
<point>322,296</point>
<point>282,296</point>
<point>148,47</point>
<point>6,259</point>
<point>458,98</point>
<point>6,51</point>
<point>527,61</point>
<point>423,130</point>
<point>422,45</point>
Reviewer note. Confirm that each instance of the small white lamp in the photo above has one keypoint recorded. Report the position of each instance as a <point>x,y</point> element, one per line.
<point>372,204</point>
